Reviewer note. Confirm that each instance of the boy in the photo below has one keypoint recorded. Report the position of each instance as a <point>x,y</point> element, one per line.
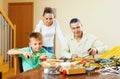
<point>31,55</point>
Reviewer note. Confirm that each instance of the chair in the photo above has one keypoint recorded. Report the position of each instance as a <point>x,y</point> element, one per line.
<point>0,75</point>
<point>20,65</point>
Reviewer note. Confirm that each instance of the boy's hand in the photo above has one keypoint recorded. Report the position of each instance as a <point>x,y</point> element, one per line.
<point>27,54</point>
<point>43,57</point>
<point>53,57</point>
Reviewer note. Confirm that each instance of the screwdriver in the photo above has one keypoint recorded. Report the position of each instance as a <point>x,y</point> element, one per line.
<point>89,53</point>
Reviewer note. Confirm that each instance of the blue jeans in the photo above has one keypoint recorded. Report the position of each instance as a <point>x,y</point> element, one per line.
<point>49,49</point>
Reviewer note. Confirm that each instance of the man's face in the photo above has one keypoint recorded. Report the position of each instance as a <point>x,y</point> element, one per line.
<point>48,19</point>
<point>36,44</point>
<point>76,29</point>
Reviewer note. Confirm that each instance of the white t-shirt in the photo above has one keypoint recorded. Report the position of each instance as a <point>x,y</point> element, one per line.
<point>49,32</point>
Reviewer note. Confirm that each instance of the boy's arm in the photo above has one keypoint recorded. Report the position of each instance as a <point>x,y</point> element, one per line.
<point>17,52</point>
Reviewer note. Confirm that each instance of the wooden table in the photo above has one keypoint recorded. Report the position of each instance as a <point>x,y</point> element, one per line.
<point>38,73</point>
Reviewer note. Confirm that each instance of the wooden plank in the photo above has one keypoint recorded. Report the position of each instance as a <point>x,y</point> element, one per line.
<point>4,67</point>
<point>1,59</point>
<point>8,74</point>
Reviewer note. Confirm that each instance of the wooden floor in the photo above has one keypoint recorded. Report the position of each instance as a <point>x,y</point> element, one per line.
<point>8,74</point>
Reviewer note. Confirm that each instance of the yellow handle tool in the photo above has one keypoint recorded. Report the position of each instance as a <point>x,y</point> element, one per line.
<point>113,52</point>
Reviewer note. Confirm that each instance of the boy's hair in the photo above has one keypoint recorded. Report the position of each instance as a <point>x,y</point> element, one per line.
<point>36,35</point>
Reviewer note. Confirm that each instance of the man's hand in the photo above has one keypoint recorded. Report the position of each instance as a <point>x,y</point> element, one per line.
<point>93,51</point>
<point>74,56</point>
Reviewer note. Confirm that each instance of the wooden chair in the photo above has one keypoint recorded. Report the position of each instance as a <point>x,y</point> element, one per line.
<point>0,75</point>
<point>18,64</point>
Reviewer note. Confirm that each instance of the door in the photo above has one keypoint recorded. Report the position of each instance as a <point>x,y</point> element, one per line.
<point>21,14</point>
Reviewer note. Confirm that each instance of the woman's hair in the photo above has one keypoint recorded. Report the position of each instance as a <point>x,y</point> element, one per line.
<point>36,35</point>
<point>74,20</point>
<point>48,10</point>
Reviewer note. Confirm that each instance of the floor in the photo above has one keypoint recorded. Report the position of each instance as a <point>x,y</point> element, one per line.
<point>8,74</point>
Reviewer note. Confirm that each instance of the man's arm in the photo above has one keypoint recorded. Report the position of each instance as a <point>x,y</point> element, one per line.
<point>100,47</point>
<point>65,50</point>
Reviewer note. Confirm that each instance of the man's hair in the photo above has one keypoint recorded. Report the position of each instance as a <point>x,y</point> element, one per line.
<point>36,35</point>
<point>74,20</point>
<point>48,10</point>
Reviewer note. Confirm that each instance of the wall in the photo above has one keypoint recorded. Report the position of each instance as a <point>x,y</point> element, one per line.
<point>99,17</point>
<point>1,3</point>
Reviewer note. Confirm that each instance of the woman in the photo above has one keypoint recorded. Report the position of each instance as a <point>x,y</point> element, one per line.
<point>48,27</point>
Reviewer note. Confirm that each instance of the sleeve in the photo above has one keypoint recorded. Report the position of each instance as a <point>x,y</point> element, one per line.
<point>100,46</point>
<point>23,49</point>
<point>59,33</point>
<point>38,27</point>
<point>49,55</point>
<point>65,50</point>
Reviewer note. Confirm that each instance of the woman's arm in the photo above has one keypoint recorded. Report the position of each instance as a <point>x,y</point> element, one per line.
<point>59,33</point>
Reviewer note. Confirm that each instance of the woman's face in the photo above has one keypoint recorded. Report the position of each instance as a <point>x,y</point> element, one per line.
<point>48,19</point>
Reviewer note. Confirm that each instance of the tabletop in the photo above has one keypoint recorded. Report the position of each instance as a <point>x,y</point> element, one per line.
<point>38,73</point>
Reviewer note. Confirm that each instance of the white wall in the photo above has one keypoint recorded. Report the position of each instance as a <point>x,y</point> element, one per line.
<point>100,17</point>
<point>1,3</point>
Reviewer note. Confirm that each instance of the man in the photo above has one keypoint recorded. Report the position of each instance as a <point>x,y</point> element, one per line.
<point>81,44</point>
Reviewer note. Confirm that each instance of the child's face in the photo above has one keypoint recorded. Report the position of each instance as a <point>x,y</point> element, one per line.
<point>36,44</point>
